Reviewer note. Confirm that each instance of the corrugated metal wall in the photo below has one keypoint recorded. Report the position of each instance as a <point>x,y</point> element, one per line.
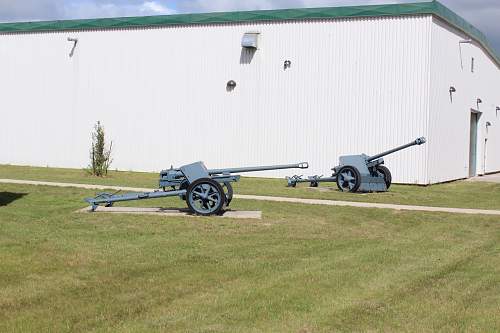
<point>450,115</point>
<point>354,86</point>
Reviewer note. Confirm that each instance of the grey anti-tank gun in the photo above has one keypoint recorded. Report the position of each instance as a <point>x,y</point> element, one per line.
<point>358,173</point>
<point>206,192</point>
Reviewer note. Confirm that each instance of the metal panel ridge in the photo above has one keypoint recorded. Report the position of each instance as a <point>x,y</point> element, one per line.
<point>223,17</point>
<point>419,8</point>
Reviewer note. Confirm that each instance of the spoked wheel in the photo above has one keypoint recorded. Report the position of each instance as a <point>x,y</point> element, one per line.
<point>228,190</point>
<point>348,179</point>
<point>205,197</point>
<point>384,171</point>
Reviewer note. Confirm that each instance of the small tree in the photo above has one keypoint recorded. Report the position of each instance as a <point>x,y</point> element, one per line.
<point>100,157</point>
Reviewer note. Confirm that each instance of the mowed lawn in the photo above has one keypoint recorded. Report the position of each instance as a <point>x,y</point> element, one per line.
<point>459,194</point>
<point>300,269</point>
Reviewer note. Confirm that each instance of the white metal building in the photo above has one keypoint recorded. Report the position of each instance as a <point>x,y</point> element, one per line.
<point>322,83</point>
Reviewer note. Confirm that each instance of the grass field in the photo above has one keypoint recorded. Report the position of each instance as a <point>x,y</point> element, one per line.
<point>300,269</point>
<point>460,194</point>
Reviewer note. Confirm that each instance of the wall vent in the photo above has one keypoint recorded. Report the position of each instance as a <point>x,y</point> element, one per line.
<point>250,40</point>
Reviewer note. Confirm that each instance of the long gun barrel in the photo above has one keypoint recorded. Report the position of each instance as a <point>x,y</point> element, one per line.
<point>303,165</point>
<point>418,142</point>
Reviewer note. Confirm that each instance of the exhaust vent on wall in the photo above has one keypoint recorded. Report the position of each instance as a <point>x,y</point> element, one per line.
<point>250,40</point>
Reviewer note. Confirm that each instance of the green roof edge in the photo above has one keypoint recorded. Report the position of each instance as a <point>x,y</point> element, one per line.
<point>420,8</point>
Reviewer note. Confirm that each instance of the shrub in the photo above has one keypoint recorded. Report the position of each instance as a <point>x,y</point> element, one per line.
<point>100,157</point>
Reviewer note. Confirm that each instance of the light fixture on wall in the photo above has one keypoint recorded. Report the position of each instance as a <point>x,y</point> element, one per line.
<point>452,90</point>
<point>287,64</point>
<point>230,85</point>
<point>75,42</point>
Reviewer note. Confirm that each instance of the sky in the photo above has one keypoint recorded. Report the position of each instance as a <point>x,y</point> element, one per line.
<point>484,14</point>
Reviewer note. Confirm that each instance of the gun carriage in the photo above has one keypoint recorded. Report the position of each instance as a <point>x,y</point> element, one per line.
<point>206,192</point>
<point>358,173</point>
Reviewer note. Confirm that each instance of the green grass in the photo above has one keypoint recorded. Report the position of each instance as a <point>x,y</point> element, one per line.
<point>460,194</point>
<point>300,269</point>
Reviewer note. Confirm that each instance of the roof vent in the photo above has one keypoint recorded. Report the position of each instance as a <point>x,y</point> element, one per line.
<point>250,40</point>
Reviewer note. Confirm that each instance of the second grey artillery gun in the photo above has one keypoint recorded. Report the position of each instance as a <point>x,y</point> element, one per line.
<point>358,173</point>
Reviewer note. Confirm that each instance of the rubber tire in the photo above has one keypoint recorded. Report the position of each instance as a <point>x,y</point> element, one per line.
<point>387,175</point>
<point>213,183</point>
<point>229,193</point>
<point>357,176</point>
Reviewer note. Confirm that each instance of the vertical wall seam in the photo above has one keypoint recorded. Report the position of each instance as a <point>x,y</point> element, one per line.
<point>429,81</point>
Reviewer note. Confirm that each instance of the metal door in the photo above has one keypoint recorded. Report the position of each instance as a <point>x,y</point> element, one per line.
<point>473,144</point>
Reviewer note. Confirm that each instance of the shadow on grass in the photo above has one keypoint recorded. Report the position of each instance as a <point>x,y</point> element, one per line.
<point>7,198</point>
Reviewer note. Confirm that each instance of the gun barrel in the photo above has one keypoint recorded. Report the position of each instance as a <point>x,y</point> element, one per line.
<point>303,165</point>
<point>417,142</point>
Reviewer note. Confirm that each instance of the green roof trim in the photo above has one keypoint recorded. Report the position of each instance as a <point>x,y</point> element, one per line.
<point>421,8</point>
